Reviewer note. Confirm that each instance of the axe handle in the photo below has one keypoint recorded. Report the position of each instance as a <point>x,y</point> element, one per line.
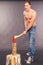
<point>17,36</point>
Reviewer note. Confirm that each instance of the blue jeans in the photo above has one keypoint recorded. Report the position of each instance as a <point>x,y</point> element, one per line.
<point>31,36</point>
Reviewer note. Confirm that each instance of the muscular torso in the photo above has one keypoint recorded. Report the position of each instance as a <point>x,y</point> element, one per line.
<point>28,16</point>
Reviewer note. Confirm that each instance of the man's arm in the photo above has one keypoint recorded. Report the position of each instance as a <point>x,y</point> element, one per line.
<point>25,21</point>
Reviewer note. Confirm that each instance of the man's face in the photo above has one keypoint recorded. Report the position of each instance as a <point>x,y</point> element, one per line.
<point>27,6</point>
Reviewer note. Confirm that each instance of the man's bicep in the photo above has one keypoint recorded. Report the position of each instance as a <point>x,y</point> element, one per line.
<point>34,17</point>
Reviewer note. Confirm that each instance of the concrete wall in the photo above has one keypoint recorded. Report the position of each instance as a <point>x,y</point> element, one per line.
<point>11,23</point>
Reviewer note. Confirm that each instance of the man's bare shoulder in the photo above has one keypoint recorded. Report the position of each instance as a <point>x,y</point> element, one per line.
<point>33,11</point>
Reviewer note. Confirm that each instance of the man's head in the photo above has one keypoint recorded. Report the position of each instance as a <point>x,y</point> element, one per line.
<point>27,5</point>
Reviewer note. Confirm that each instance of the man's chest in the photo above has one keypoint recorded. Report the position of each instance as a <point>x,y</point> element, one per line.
<point>28,15</point>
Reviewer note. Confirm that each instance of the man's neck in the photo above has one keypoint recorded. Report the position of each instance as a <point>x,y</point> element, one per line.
<point>28,10</point>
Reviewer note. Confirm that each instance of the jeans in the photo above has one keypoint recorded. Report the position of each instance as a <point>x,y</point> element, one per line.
<point>31,36</point>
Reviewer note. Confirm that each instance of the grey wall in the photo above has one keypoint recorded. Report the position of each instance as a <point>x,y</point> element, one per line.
<point>38,6</point>
<point>11,23</point>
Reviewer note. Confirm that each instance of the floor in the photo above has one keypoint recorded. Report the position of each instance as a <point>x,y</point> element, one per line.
<point>38,57</point>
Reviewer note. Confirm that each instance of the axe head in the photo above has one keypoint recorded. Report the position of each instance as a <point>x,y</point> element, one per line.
<point>13,39</point>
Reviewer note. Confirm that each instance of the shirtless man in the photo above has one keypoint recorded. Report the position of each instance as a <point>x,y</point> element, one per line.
<point>30,28</point>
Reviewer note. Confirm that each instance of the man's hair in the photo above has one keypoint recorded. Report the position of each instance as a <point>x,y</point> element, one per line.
<point>28,1</point>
